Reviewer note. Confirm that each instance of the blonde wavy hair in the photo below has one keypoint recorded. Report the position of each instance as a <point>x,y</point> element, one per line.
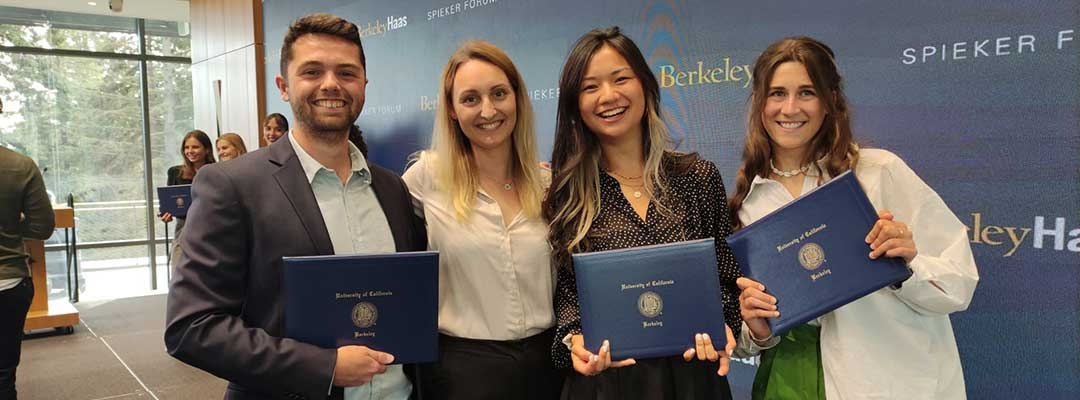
<point>451,152</point>
<point>235,140</point>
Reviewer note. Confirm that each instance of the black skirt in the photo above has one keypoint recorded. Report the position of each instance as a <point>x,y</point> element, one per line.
<point>668,378</point>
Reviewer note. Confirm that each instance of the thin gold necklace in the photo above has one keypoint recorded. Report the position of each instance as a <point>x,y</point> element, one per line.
<point>507,186</point>
<point>636,188</point>
<point>624,177</point>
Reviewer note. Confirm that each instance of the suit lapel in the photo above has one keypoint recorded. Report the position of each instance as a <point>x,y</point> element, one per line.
<point>294,185</point>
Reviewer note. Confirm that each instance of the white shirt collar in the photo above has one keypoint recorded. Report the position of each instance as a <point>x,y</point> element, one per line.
<point>312,167</point>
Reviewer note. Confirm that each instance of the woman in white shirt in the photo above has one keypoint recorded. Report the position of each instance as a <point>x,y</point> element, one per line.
<point>479,189</point>
<point>896,343</point>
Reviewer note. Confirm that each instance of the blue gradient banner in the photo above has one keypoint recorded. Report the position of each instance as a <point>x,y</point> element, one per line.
<point>979,97</point>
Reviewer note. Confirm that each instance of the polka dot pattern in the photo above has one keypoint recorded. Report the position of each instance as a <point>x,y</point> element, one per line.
<point>697,209</point>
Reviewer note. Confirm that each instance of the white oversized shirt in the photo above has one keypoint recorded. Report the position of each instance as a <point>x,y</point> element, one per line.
<point>495,279</point>
<point>894,344</point>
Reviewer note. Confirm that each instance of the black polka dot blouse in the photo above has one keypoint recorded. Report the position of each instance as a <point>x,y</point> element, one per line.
<point>697,206</point>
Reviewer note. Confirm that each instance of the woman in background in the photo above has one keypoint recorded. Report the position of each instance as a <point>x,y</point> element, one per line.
<point>896,343</point>
<point>619,184</point>
<point>275,127</point>
<point>479,190</point>
<point>230,146</point>
<point>196,151</point>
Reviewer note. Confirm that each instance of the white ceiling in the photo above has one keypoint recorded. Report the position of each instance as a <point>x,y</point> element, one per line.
<point>168,10</point>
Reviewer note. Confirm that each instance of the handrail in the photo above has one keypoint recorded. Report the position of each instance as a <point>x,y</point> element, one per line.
<point>104,244</point>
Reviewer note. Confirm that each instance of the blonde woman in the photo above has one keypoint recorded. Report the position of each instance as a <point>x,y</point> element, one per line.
<point>230,146</point>
<point>479,189</point>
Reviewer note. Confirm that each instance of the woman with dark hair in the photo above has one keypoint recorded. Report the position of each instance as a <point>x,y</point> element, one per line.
<point>274,127</point>
<point>896,343</point>
<point>619,184</point>
<point>196,152</point>
<point>479,189</point>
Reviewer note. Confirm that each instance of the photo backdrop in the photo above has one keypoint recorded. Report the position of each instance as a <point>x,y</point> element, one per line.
<point>979,97</point>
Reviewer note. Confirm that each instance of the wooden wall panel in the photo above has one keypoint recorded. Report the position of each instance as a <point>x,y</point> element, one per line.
<point>198,31</point>
<point>230,47</point>
<point>200,78</point>
<point>215,27</point>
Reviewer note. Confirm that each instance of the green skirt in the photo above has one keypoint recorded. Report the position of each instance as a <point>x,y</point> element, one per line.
<point>792,369</point>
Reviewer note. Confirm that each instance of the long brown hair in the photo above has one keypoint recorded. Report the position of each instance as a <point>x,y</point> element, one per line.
<point>833,143</point>
<point>573,201</point>
<point>187,169</point>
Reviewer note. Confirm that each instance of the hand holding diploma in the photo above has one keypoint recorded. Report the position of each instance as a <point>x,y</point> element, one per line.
<point>755,306</point>
<point>891,238</point>
<point>589,364</point>
<point>704,350</point>
<point>357,365</point>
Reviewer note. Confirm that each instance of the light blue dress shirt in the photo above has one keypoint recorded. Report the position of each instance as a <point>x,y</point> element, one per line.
<point>356,224</point>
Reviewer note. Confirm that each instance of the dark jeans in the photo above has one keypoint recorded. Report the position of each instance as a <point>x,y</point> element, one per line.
<point>14,303</point>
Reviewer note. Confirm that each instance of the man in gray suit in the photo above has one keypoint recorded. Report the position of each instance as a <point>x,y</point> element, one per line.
<point>310,193</point>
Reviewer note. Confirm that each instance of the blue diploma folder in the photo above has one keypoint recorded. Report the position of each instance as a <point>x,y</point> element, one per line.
<point>388,302</point>
<point>650,301</point>
<point>811,254</point>
<point>174,199</point>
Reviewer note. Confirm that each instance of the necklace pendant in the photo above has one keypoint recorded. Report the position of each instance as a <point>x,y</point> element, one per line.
<point>637,194</point>
<point>508,187</point>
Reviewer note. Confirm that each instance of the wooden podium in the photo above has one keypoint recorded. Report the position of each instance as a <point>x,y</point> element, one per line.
<point>58,314</point>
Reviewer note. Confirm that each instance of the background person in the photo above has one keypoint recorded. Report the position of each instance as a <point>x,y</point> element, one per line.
<point>275,127</point>
<point>25,213</point>
<point>230,146</point>
<point>196,153</point>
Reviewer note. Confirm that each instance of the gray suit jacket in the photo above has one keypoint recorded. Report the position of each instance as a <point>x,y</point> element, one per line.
<point>225,312</point>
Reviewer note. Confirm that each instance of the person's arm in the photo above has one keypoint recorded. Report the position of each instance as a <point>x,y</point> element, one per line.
<point>944,274</point>
<point>215,285</point>
<point>38,220</point>
<point>172,178</point>
<point>567,316</point>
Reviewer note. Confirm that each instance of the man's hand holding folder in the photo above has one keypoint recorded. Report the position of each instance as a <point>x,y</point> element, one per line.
<point>357,365</point>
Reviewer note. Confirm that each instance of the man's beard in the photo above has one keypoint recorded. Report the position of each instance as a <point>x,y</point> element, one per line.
<point>330,130</point>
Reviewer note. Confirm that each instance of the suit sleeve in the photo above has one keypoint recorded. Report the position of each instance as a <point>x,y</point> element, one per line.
<point>205,326</point>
